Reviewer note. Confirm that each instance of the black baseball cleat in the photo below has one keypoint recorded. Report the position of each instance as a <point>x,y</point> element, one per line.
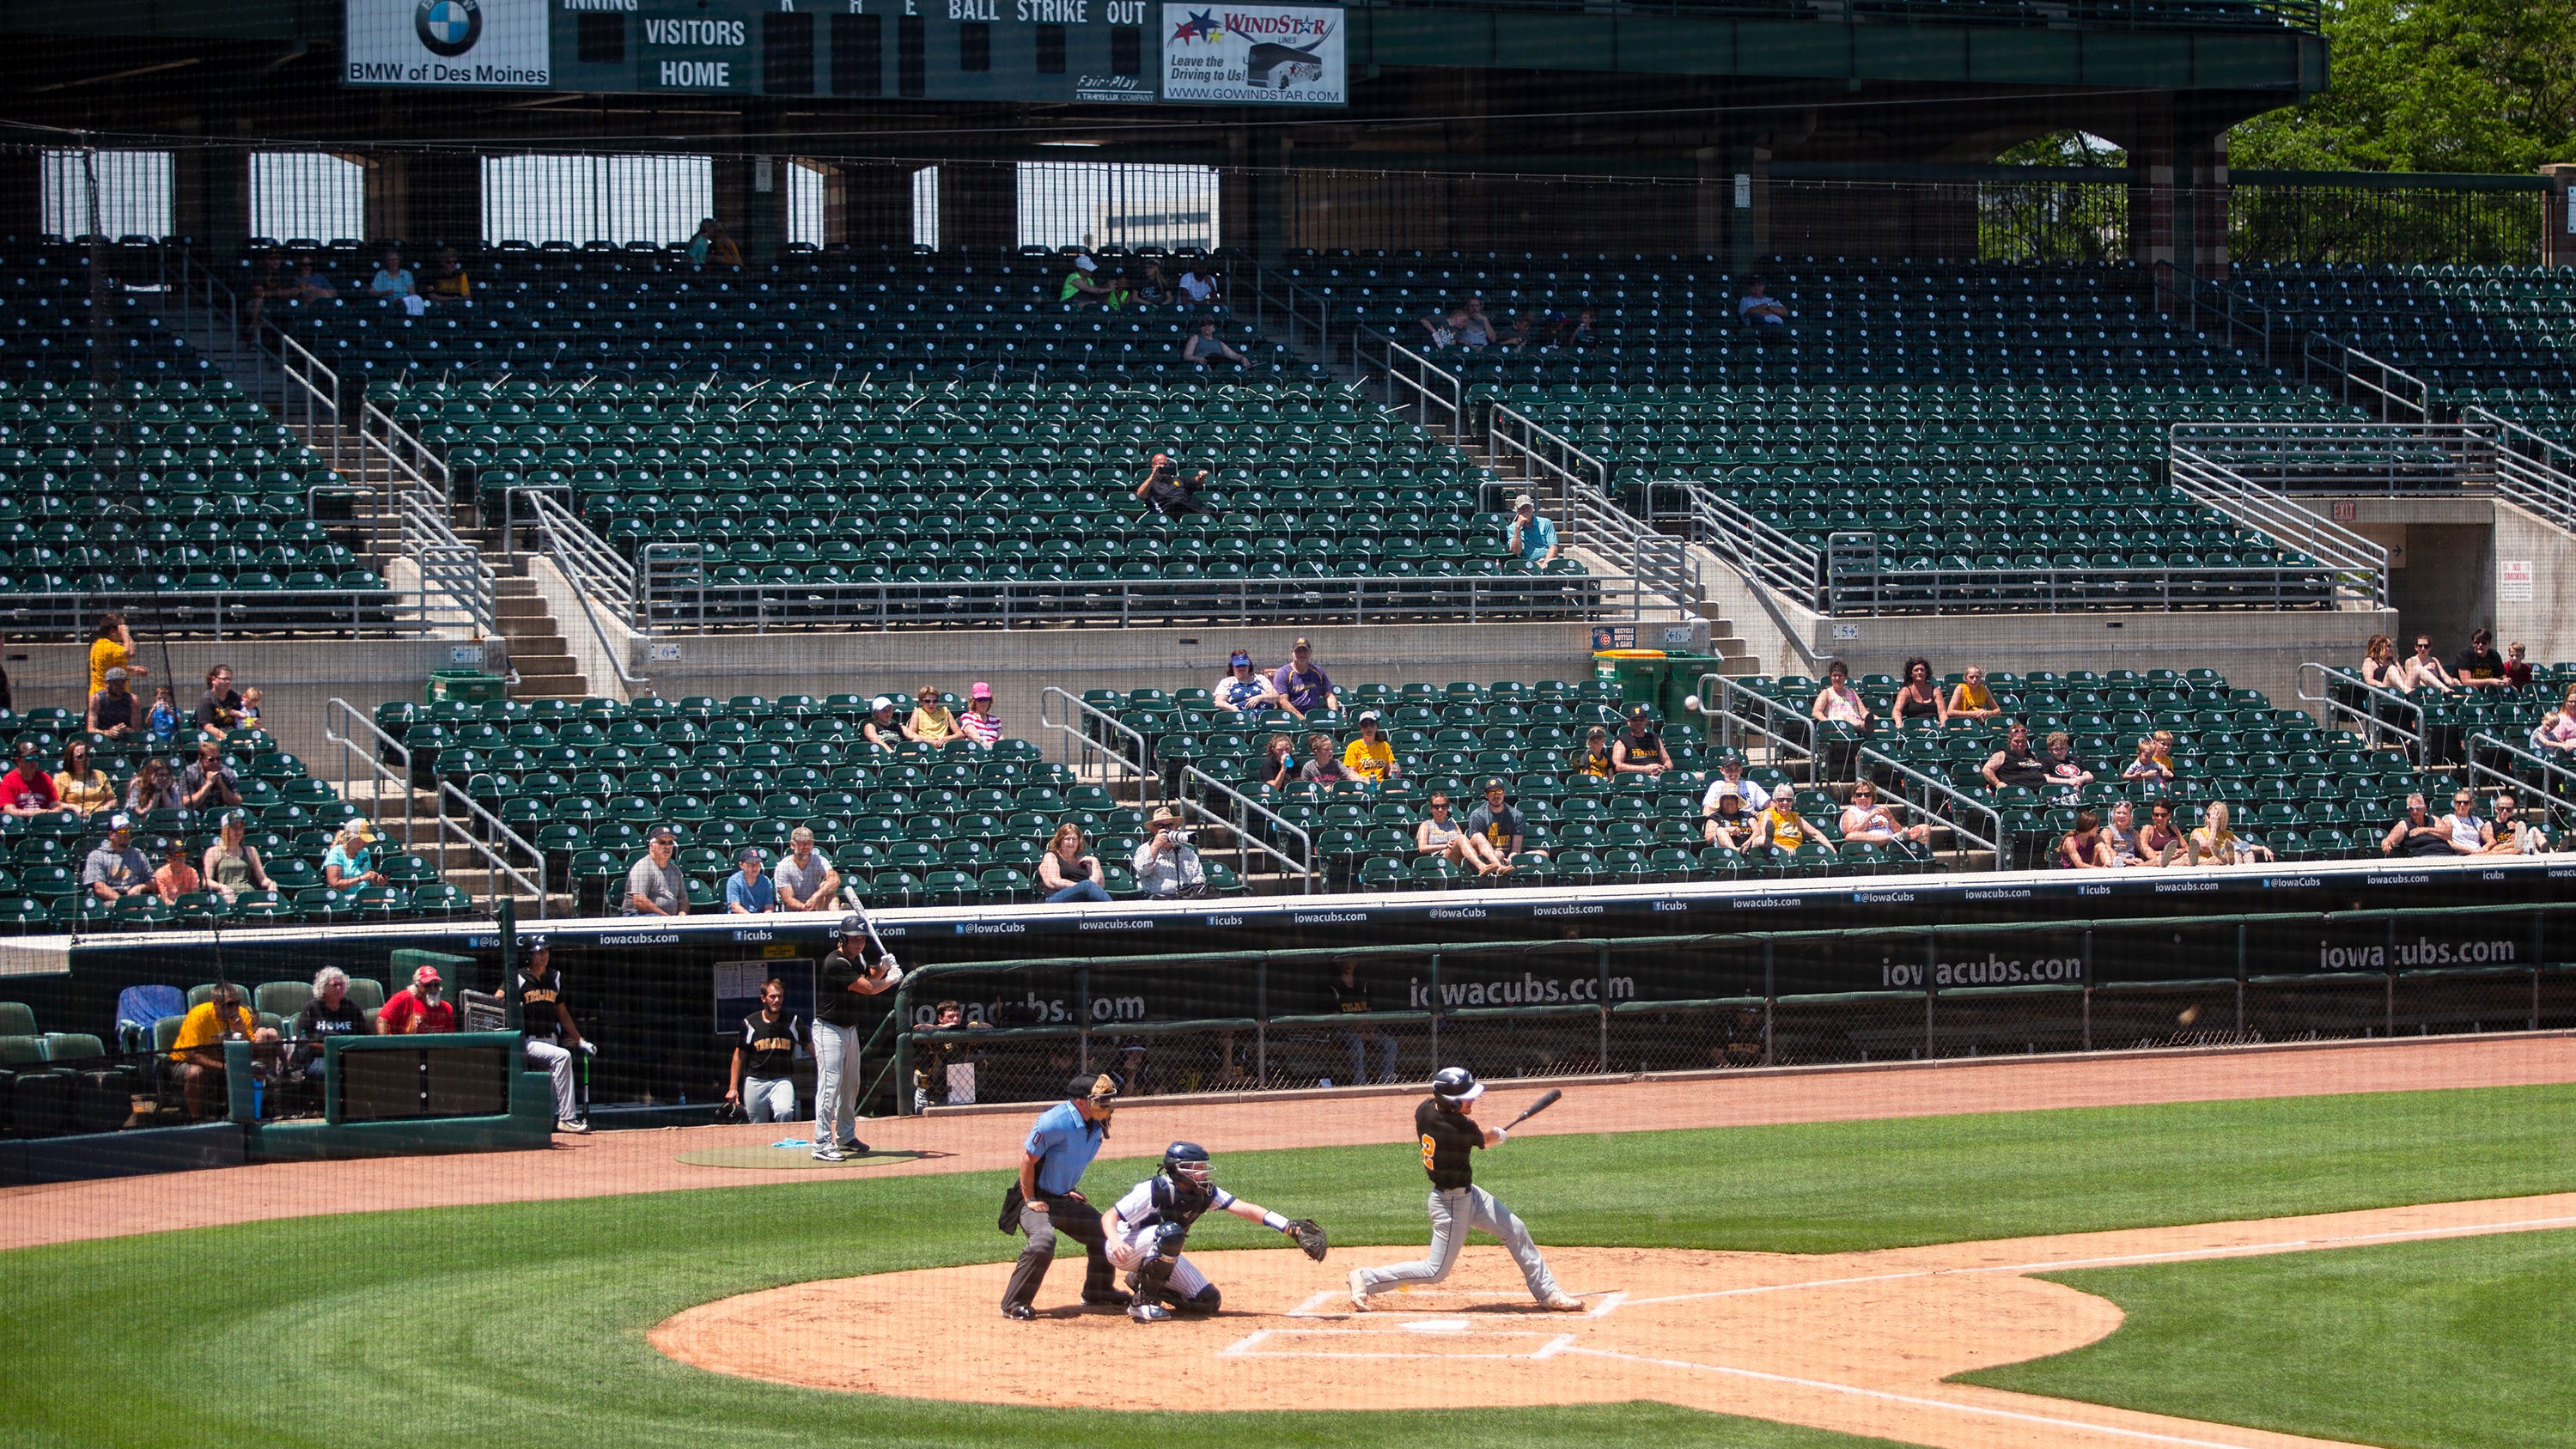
<point>1107,1298</point>
<point>1020,1311</point>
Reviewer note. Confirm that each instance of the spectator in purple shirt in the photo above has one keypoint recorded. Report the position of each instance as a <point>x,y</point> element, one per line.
<point>1305,687</point>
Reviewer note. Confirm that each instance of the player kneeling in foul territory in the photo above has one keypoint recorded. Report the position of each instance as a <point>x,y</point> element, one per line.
<point>1147,1226</point>
<point>1446,1127</point>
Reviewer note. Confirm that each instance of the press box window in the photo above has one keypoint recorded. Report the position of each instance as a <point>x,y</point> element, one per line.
<point>787,52</point>
<point>1126,50</point>
<point>858,55</point>
<point>975,46</point>
<point>599,37</point>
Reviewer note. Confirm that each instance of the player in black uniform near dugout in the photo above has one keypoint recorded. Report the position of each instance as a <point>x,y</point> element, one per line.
<point>1445,1126</point>
<point>545,1021</point>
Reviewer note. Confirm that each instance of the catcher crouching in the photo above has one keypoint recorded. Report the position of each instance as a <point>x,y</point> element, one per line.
<point>1148,1225</point>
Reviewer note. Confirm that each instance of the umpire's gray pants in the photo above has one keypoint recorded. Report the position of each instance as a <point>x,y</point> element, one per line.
<point>1453,1212</point>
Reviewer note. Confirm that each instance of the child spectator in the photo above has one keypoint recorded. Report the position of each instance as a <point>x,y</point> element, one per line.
<point>163,722</point>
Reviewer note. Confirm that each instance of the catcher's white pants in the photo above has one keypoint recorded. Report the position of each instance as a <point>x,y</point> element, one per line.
<point>1453,1212</point>
<point>556,1062</point>
<point>1128,1254</point>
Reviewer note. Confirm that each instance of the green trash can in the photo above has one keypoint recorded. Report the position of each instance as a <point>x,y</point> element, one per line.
<point>1640,673</point>
<point>465,686</point>
<point>1681,681</point>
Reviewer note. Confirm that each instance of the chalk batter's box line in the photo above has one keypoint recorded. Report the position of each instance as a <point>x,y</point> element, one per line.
<point>1252,1345</point>
<point>1316,1304</point>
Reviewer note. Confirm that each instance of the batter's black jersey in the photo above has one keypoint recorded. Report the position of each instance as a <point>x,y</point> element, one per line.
<point>538,997</point>
<point>769,1047</point>
<point>1447,1137</point>
<point>835,1004</point>
<point>1158,1200</point>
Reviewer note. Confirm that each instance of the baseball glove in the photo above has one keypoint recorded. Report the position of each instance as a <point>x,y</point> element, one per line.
<point>1310,1236</point>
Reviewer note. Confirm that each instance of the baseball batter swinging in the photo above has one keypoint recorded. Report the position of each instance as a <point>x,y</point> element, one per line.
<point>1446,1127</point>
<point>1147,1227</point>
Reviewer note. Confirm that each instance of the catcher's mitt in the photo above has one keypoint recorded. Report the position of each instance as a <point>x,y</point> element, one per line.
<point>1310,1236</point>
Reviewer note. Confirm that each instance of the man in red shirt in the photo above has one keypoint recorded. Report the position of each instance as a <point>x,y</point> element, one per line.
<point>416,1008</point>
<point>28,790</point>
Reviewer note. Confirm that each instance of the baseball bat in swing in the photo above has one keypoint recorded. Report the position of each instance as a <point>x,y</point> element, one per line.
<point>1533,1109</point>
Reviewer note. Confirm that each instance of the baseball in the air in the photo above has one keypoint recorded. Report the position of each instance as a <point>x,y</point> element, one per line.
<point>2189,1015</point>
<point>1691,702</point>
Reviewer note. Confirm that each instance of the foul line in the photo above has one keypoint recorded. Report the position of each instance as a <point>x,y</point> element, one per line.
<point>1914,1400</point>
<point>2236,1250</point>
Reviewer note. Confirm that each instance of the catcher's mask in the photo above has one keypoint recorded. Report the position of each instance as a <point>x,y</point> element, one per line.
<point>1187,1164</point>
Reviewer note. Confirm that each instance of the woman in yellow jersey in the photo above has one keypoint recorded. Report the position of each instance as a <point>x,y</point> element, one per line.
<point>1594,758</point>
<point>1972,698</point>
<point>1370,757</point>
<point>1780,824</point>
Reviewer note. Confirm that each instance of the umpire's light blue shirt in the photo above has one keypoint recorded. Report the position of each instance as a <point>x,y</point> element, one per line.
<point>1064,1145</point>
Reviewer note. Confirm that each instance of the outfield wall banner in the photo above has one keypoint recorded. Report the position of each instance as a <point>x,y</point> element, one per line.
<point>464,44</point>
<point>1254,54</point>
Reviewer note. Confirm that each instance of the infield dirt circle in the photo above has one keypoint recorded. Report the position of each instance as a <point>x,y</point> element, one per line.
<point>1856,1342</point>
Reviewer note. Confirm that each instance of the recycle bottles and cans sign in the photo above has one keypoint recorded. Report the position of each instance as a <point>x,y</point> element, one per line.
<point>473,44</point>
<point>1254,54</point>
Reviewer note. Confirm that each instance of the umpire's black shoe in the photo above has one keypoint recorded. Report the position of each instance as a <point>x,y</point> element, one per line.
<point>1107,1298</point>
<point>1018,1310</point>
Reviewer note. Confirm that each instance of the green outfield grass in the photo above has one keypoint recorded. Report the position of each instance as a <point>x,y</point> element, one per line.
<point>523,1324</point>
<point>2465,1343</point>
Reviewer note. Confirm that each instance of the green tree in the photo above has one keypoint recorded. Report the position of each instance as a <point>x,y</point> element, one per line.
<point>2430,85</point>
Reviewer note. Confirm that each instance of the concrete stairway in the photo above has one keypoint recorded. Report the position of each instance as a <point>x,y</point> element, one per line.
<point>543,661</point>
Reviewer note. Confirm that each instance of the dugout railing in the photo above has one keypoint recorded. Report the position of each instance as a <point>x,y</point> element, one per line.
<point>1584,1006</point>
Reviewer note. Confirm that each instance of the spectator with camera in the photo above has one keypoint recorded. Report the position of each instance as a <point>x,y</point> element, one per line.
<point>1167,865</point>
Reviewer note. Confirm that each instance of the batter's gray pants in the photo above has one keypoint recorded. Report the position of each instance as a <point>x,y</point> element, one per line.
<point>836,1084</point>
<point>1453,1212</point>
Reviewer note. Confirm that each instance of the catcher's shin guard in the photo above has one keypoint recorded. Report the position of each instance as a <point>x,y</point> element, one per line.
<point>1153,1281</point>
<point>1204,1301</point>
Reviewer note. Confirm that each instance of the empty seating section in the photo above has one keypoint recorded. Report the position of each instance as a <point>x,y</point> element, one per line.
<point>1920,408</point>
<point>173,487</point>
<point>568,315</point>
<point>52,329</point>
<point>291,816</point>
<point>2498,337</point>
<point>960,824</point>
<point>1941,485</point>
<point>946,501</point>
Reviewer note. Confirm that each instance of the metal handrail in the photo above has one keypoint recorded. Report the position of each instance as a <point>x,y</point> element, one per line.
<point>1264,279</point>
<point>1082,745</point>
<point>494,865</point>
<point>2536,472</point>
<point>675,595</point>
<point>586,562</point>
<point>316,392</point>
<point>2236,314</point>
<point>1759,551</point>
<point>409,457</point>
<point>1742,713</point>
<point>1940,800</point>
<point>2360,566</point>
<point>2337,688</point>
<point>2543,771</point>
<point>1533,437</point>
<point>1580,485</point>
<point>2402,396</point>
<point>1424,385</point>
<point>2344,457</point>
<point>1245,808</point>
<point>449,564</point>
<point>351,743</point>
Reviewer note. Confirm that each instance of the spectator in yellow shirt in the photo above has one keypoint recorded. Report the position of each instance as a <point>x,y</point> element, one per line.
<point>199,1047</point>
<point>1780,824</point>
<point>1370,757</point>
<point>112,647</point>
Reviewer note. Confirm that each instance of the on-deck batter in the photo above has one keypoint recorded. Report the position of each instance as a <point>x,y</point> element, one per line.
<point>1445,1125</point>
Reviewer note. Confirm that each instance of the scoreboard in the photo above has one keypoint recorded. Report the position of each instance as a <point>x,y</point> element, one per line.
<point>1119,52</point>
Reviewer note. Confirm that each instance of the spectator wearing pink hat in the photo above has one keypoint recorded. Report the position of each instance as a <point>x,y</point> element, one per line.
<point>980,723</point>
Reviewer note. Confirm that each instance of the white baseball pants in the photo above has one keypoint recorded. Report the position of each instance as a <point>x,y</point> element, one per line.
<point>556,1062</point>
<point>769,1099</point>
<point>1129,1254</point>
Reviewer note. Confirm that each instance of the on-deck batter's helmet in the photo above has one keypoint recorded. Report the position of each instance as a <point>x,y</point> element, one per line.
<point>851,925</point>
<point>1187,1162</point>
<point>1456,1086</point>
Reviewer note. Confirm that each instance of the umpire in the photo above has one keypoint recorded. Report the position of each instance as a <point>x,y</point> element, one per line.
<point>1046,1200</point>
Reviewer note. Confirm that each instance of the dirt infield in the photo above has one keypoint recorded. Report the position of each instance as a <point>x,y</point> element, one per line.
<point>633,1162</point>
<point>1855,1342</point>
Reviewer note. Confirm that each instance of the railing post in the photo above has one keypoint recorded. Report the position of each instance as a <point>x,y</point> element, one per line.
<point>1601,998</point>
<point>1082,1017</point>
<point>2086,962</point>
<point>2240,980</point>
<point>1434,1003</point>
<point>1261,1022</point>
<point>1931,974</point>
<point>1770,1000</point>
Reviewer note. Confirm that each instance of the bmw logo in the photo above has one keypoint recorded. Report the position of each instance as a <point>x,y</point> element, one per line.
<point>448,27</point>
